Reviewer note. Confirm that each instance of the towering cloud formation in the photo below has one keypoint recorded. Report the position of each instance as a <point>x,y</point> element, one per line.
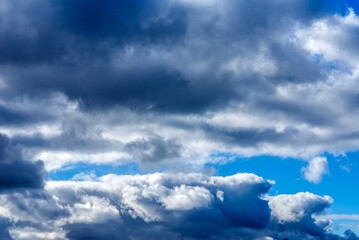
<point>162,206</point>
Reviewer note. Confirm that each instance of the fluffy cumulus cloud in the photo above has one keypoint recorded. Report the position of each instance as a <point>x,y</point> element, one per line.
<point>315,169</point>
<point>296,211</point>
<point>170,85</point>
<point>162,206</point>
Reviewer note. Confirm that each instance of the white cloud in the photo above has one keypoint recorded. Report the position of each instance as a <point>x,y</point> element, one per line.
<point>186,197</point>
<point>93,209</point>
<point>57,159</point>
<point>30,233</point>
<point>315,170</point>
<point>84,177</point>
<point>293,208</point>
<point>220,195</point>
<point>330,37</point>
<point>150,197</point>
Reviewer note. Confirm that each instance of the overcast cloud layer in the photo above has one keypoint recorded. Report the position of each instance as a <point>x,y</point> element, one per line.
<point>172,84</point>
<point>177,81</point>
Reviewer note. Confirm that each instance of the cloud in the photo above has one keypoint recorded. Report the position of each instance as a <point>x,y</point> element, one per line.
<point>163,84</point>
<point>17,176</point>
<point>343,216</point>
<point>316,169</point>
<point>32,215</point>
<point>164,37</point>
<point>4,232</point>
<point>289,208</point>
<point>185,198</point>
<point>154,149</point>
<point>350,235</point>
<point>162,205</point>
<point>82,176</point>
<point>296,212</point>
<point>158,205</point>
<point>15,172</point>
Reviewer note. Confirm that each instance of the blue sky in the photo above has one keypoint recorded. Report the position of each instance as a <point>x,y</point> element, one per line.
<point>203,119</point>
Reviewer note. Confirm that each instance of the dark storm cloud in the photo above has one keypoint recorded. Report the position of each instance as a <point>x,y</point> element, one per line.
<point>80,34</point>
<point>46,31</point>
<point>81,37</point>
<point>122,21</point>
<point>10,116</point>
<point>119,231</point>
<point>141,86</point>
<point>15,172</point>
<point>116,230</point>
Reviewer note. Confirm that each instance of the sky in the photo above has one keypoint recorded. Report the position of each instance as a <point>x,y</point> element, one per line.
<point>179,119</point>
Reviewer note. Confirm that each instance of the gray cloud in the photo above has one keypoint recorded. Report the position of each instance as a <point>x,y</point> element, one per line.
<point>15,172</point>
<point>17,175</point>
<point>154,149</point>
<point>4,232</point>
<point>87,72</point>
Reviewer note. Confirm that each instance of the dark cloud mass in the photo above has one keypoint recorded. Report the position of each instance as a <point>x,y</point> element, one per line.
<point>15,172</point>
<point>171,58</point>
<point>90,41</point>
